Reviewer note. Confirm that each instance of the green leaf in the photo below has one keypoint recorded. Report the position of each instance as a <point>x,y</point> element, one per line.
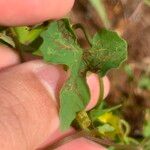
<point>26,35</point>
<point>60,47</point>
<point>108,51</point>
<point>74,97</point>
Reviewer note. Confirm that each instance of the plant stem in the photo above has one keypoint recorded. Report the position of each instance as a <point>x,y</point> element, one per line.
<point>101,96</point>
<point>77,135</point>
<point>79,26</point>
<point>89,136</point>
<point>101,89</point>
<point>127,127</point>
<point>17,44</point>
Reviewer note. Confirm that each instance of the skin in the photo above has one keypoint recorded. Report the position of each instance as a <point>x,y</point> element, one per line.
<point>29,91</point>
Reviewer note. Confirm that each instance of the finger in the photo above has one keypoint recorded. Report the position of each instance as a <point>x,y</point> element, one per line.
<point>28,12</point>
<point>28,110</point>
<point>94,86</point>
<point>8,57</point>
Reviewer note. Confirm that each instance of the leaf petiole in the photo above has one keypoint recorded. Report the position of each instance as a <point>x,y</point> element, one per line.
<point>101,90</point>
<point>79,26</point>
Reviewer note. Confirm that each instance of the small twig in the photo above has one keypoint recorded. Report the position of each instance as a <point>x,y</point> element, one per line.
<point>83,133</point>
<point>89,136</point>
<point>64,141</point>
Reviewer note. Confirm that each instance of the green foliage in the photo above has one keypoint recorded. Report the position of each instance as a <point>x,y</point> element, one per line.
<point>27,35</point>
<point>144,83</point>
<point>109,124</point>
<point>128,69</point>
<point>100,110</point>
<point>60,47</point>
<point>108,51</point>
<point>146,127</point>
<point>146,131</point>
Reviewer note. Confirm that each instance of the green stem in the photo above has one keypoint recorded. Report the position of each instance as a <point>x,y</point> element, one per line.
<point>17,44</point>
<point>89,136</point>
<point>127,127</point>
<point>77,135</point>
<point>101,89</point>
<point>79,26</point>
<point>101,96</point>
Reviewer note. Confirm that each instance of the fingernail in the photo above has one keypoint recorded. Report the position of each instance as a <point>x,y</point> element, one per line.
<point>52,77</point>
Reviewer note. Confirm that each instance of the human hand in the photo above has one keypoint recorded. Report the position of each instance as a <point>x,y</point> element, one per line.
<point>29,91</point>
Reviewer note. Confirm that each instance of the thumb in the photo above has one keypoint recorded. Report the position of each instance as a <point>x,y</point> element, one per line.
<point>29,110</point>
